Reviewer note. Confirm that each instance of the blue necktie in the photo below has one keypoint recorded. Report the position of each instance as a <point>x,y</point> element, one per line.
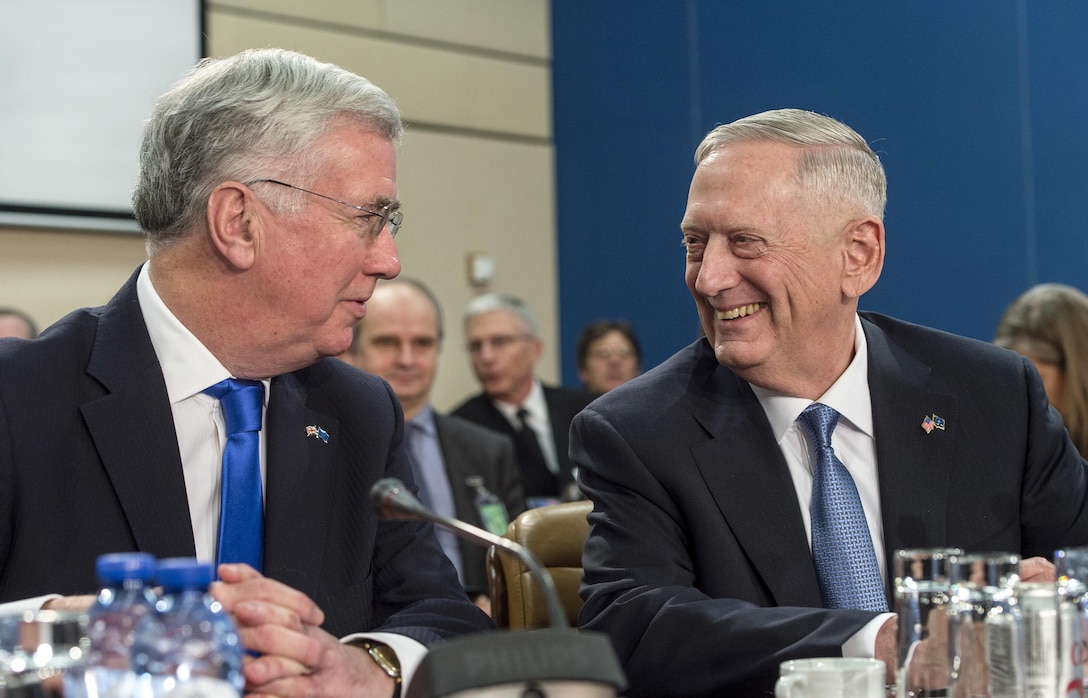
<point>841,545</point>
<point>241,514</point>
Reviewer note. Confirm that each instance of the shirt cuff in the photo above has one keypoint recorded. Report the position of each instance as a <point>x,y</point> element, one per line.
<point>863,642</point>
<point>12,608</point>
<point>409,652</point>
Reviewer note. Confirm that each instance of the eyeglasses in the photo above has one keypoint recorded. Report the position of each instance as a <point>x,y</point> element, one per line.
<point>607,353</point>
<point>391,218</point>
<point>498,342</point>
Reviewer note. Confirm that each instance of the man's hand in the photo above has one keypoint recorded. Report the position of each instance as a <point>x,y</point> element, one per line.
<point>886,649</point>
<point>70,603</point>
<point>1037,569</point>
<point>298,658</point>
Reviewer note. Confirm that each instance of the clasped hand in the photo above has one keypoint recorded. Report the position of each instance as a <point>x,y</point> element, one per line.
<point>296,657</point>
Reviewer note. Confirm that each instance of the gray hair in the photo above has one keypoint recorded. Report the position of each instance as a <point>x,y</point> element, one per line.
<point>499,301</point>
<point>241,118</point>
<point>836,163</point>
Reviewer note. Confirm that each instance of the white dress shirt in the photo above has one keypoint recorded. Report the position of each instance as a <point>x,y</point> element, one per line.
<point>855,446</point>
<point>537,419</point>
<point>188,369</point>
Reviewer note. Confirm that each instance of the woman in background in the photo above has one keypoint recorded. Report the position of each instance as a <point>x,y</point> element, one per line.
<point>1049,325</point>
<point>608,355</point>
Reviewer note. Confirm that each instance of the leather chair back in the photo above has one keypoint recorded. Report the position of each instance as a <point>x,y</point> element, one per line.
<point>555,534</point>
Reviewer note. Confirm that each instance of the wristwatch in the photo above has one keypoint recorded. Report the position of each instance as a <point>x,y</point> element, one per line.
<point>385,658</point>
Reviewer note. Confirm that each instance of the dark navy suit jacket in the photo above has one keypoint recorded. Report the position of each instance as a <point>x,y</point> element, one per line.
<point>697,562</point>
<point>471,450</point>
<point>89,464</point>
<point>562,403</point>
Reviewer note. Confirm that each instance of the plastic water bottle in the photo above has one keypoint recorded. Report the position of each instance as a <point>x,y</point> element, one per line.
<point>125,599</point>
<point>190,647</point>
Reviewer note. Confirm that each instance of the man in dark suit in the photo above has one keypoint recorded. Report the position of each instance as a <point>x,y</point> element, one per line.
<point>705,560</point>
<point>504,346</point>
<point>453,460</point>
<point>268,197</point>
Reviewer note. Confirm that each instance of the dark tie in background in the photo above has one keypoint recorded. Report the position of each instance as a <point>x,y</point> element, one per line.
<point>842,547</point>
<point>241,514</point>
<point>535,476</point>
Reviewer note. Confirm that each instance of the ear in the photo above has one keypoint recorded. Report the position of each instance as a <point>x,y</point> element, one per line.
<point>863,256</point>
<point>538,348</point>
<point>235,223</point>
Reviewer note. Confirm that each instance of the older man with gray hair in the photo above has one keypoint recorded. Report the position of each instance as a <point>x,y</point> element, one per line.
<point>504,347</point>
<point>196,414</point>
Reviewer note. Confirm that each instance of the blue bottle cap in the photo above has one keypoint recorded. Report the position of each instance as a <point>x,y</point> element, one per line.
<point>179,573</point>
<point>117,567</point>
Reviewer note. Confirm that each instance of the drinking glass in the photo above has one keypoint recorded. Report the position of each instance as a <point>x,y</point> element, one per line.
<point>986,632</point>
<point>36,648</point>
<point>923,594</point>
<point>831,677</point>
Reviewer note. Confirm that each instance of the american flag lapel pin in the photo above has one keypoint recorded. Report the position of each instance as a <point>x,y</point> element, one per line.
<point>318,433</point>
<point>932,422</point>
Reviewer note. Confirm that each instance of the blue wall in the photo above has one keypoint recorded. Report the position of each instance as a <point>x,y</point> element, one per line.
<point>978,110</point>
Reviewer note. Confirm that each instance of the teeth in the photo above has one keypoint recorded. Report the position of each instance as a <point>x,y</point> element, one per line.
<point>739,312</point>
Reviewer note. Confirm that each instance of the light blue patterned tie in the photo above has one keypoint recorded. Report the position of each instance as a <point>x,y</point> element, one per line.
<point>241,514</point>
<point>841,545</point>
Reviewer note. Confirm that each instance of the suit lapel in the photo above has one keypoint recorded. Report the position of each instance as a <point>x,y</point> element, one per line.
<point>911,462</point>
<point>748,478</point>
<point>132,427</point>
<point>458,467</point>
<point>300,473</point>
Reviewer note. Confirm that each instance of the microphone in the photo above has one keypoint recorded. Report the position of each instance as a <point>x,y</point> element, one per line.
<point>392,500</point>
<point>583,661</point>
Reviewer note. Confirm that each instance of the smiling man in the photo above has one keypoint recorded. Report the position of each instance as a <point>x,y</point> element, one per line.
<point>268,198</point>
<point>713,553</point>
<point>453,460</point>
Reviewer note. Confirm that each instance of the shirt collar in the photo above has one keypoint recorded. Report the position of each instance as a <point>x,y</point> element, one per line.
<point>534,404</point>
<point>424,420</point>
<point>187,365</point>
<point>848,395</point>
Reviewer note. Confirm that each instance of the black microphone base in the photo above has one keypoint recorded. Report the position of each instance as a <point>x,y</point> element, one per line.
<point>536,663</point>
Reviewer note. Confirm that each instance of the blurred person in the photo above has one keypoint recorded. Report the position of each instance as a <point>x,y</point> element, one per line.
<point>504,346</point>
<point>750,492</point>
<point>1049,325</point>
<point>268,197</point>
<point>608,355</point>
<point>16,323</point>
<point>399,340</point>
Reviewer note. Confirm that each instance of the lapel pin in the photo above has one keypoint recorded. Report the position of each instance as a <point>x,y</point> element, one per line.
<point>932,422</point>
<point>318,433</point>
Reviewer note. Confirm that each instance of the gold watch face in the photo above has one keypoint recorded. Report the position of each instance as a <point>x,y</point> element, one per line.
<point>386,659</point>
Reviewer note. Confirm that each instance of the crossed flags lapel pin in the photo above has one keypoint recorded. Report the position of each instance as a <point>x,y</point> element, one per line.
<point>932,422</point>
<point>319,433</point>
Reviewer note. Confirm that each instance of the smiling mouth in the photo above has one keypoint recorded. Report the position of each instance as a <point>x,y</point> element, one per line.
<point>738,312</point>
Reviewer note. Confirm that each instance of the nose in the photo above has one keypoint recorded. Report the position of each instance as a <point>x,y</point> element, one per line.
<point>718,270</point>
<point>382,259</point>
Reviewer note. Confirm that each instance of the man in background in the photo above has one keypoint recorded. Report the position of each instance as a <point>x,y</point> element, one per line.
<point>751,491</point>
<point>504,346</point>
<point>198,414</point>
<point>16,323</point>
<point>456,464</point>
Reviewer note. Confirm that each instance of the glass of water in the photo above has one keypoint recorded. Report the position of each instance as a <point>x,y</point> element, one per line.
<point>923,594</point>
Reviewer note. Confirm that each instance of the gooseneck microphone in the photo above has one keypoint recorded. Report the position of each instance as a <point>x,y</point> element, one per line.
<point>528,662</point>
<point>392,500</point>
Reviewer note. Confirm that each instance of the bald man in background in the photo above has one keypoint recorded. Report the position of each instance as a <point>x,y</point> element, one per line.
<point>16,323</point>
<point>452,458</point>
